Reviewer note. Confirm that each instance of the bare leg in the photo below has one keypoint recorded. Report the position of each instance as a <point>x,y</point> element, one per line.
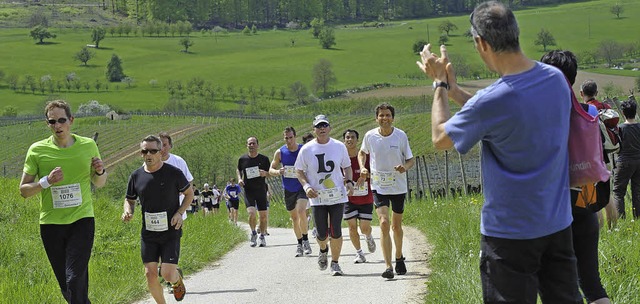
<point>398,233</point>
<point>252,218</point>
<point>385,238</point>
<point>264,221</point>
<point>336,248</point>
<point>151,272</point>
<point>353,233</point>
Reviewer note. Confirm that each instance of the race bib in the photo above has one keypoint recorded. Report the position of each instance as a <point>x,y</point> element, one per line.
<point>156,221</point>
<point>206,200</point>
<point>331,196</point>
<point>362,190</point>
<point>233,194</point>
<point>66,196</point>
<point>383,179</point>
<point>290,172</point>
<point>253,172</point>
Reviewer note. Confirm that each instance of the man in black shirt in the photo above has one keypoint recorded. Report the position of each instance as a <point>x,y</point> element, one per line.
<point>158,185</point>
<point>253,169</point>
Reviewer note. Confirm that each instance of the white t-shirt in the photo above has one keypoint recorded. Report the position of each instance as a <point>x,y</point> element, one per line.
<point>322,165</point>
<point>216,194</point>
<point>385,153</point>
<point>179,163</point>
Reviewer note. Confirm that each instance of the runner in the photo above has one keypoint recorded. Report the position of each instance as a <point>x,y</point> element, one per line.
<point>231,192</point>
<point>253,169</point>
<point>359,208</point>
<point>66,165</point>
<point>318,166</point>
<point>215,202</point>
<point>157,186</point>
<point>391,157</point>
<point>295,199</point>
<point>207,199</point>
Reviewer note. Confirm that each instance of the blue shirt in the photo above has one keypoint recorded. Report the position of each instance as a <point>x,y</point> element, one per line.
<point>522,121</point>
<point>232,191</point>
<point>288,158</point>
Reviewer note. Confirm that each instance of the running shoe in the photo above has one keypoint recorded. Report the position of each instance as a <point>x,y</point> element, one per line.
<point>253,243</point>
<point>263,242</point>
<point>400,267</point>
<point>314,233</point>
<point>388,274</point>
<point>299,251</point>
<point>335,269</point>
<point>322,260</point>
<point>371,244</point>
<point>307,247</point>
<point>359,257</point>
<point>179,290</point>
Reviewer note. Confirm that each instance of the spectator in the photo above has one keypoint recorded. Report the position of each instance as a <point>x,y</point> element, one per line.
<point>628,161</point>
<point>526,242</point>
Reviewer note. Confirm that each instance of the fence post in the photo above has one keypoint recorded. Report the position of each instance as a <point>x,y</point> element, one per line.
<point>464,178</point>
<point>426,171</point>
<point>446,171</point>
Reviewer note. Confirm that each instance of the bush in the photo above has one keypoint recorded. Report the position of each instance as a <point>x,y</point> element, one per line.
<point>419,45</point>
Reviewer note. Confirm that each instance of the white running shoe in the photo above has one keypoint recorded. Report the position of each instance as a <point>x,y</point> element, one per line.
<point>335,269</point>
<point>359,257</point>
<point>371,244</point>
<point>322,260</point>
<point>299,251</point>
<point>307,247</point>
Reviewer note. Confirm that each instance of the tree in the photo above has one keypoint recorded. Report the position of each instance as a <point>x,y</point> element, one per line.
<point>254,29</point>
<point>443,39</point>
<point>610,51</point>
<point>327,38</point>
<point>316,27</point>
<point>638,83</point>
<point>299,92</point>
<point>84,55</point>
<point>447,26</point>
<point>40,33</point>
<point>544,38</point>
<point>186,43</point>
<point>617,9</point>
<point>323,76</point>
<point>114,69</point>
<point>246,30</point>
<point>97,35</point>
<point>128,80</point>
<point>217,30</point>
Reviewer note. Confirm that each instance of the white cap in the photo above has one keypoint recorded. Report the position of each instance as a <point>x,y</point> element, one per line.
<point>320,119</point>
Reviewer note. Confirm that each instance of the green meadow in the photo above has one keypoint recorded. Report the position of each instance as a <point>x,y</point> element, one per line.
<point>362,56</point>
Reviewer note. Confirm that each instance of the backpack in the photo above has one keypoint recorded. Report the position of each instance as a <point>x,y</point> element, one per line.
<point>608,122</point>
<point>592,197</point>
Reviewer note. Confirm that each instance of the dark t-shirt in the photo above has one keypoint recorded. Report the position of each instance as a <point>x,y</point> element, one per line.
<point>629,142</point>
<point>257,183</point>
<point>158,192</point>
<point>207,197</point>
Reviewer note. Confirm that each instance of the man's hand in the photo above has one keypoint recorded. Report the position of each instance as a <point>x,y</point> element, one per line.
<point>400,168</point>
<point>240,182</point>
<point>434,66</point>
<point>55,176</point>
<point>126,216</point>
<point>176,220</point>
<point>98,166</point>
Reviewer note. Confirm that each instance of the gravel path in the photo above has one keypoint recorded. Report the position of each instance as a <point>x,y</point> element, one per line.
<point>273,275</point>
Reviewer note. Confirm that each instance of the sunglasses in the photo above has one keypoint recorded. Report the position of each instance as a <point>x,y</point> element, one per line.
<point>322,125</point>
<point>60,120</point>
<point>152,151</point>
<point>475,29</point>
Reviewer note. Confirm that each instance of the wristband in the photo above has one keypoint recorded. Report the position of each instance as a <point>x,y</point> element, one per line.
<point>306,187</point>
<point>44,182</point>
<point>350,182</point>
<point>103,172</point>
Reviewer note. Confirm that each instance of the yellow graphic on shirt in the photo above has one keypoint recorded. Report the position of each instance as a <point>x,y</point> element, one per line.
<point>327,182</point>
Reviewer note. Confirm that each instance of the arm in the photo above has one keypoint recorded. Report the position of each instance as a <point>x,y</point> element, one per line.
<point>128,208</point>
<point>348,175</point>
<point>176,219</point>
<point>302,178</point>
<point>408,164</point>
<point>30,187</point>
<point>362,160</point>
<point>99,175</point>
<point>275,164</point>
<point>240,181</point>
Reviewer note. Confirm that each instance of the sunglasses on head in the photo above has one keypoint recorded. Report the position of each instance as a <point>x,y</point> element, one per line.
<point>322,125</point>
<point>60,120</point>
<point>152,151</point>
<point>475,29</point>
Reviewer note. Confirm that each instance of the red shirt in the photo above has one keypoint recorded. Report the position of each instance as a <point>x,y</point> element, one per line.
<point>360,200</point>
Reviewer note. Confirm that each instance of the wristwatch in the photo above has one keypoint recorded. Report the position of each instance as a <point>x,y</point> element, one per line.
<point>442,84</point>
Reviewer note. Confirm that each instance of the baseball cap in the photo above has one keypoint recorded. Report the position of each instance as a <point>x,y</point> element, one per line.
<point>320,119</point>
<point>206,185</point>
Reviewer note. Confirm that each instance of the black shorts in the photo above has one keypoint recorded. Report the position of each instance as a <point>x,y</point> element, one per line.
<point>395,200</point>
<point>216,206</point>
<point>257,199</point>
<point>168,250</point>
<point>515,271</point>
<point>235,204</point>
<point>291,198</point>
<point>362,212</point>
<point>207,205</point>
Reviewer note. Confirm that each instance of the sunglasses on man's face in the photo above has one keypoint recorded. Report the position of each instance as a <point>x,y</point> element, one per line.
<point>322,125</point>
<point>60,120</point>
<point>152,151</point>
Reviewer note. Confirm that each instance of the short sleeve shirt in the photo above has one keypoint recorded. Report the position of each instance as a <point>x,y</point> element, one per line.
<point>69,200</point>
<point>386,152</point>
<point>322,165</point>
<point>522,121</point>
<point>158,193</point>
<point>248,166</point>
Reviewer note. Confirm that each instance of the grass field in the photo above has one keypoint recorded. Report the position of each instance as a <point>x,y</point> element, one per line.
<point>362,56</point>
